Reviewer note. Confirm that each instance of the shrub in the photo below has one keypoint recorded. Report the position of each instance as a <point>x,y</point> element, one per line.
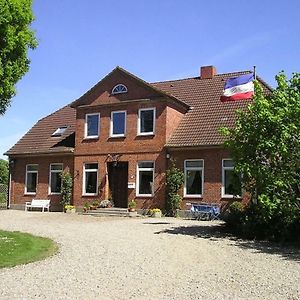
<point>174,179</point>
<point>235,214</point>
<point>66,188</point>
<point>3,197</point>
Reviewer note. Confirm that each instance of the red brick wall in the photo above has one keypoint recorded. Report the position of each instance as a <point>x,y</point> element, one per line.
<point>101,93</point>
<point>104,144</point>
<point>173,119</point>
<point>132,159</point>
<point>212,174</point>
<point>18,178</point>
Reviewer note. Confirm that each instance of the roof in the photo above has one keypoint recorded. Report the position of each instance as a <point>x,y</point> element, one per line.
<point>200,125</point>
<point>39,139</point>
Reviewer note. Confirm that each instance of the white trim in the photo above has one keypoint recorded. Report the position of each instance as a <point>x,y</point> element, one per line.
<point>139,121</point>
<point>138,178</point>
<point>86,124</point>
<point>202,177</point>
<point>84,181</point>
<point>121,92</point>
<point>37,179</point>
<point>111,124</point>
<point>54,171</point>
<point>223,195</point>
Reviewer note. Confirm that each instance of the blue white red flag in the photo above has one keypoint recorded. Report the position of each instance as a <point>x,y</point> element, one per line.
<point>238,88</point>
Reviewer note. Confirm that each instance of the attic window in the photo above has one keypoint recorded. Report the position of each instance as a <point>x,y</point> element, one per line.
<point>119,89</point>
<point>59,131</point>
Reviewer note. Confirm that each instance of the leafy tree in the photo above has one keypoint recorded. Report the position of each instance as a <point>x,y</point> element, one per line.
<point>265,145</point>
<point>174,179</point>
<point>15,39</point>
<point>66,188</point>
<point>3,171</point>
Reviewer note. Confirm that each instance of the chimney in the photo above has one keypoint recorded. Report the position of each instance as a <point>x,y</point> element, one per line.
<point>207,72</point>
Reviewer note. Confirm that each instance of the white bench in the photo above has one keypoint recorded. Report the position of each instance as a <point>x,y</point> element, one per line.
<point>43,204</point>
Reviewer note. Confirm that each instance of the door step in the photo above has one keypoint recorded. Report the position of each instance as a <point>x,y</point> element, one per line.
<point>111,212</point>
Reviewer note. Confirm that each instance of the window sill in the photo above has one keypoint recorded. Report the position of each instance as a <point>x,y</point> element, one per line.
<point>231,197</point>
<point>193,196</point>
<point>117,136</point>
<point>29,194</point>
<point>91,138</point>
<point>146,134</point>
<point>89,195</point>
<point>145,196</point>
<point>51,194</point>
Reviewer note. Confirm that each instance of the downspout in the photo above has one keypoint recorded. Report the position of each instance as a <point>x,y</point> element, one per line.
<point>9,190</point>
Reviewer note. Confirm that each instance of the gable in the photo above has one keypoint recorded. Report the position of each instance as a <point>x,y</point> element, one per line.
<point>101,93</point>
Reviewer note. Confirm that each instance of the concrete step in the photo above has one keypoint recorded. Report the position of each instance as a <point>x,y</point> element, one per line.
<point>110,212</point>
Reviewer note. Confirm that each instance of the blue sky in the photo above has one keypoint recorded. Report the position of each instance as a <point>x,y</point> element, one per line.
<point>81,41</point>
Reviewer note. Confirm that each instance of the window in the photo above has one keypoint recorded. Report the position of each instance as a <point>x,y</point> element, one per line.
<point>92,125</point>
<point>55,178</point>
<point>118,123</point>
<point>193,173</point>
<point>90,179</point>
<point>231,182</point>
<point>145,178</point>
<point>59,131</point>
<point>31,179</point>
<point>119,89</point>
<point>146,121</point>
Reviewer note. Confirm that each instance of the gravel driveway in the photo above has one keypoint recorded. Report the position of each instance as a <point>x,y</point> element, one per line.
<point>146,258</point>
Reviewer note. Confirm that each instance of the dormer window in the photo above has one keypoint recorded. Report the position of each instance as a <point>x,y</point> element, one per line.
<point>119,89</point>
<point>59,131</point>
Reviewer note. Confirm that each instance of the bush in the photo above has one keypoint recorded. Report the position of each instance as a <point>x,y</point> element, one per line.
<point>174,179</point>
<point>235,214</point>
<point>3,197</point>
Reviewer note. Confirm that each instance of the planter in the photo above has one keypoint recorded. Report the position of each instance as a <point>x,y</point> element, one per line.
<point>71,211</point>
<point>131,209</point>
<point>156,214</point>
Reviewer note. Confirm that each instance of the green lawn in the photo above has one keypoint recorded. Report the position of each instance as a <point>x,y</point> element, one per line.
<point>20,248</point>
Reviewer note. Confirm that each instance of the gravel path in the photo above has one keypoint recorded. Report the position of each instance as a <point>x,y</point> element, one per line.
<point>166,258</point>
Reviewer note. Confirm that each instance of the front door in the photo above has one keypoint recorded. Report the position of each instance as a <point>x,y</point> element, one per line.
<point>118,182</point>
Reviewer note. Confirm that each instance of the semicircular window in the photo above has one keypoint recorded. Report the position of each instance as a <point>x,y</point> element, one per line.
<point>119,89</point>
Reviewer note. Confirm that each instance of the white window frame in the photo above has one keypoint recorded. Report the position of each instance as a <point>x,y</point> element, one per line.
<point>84,179</point>
<point>54,171</point>
<point>138,177</point>
<point>37,179</point>
<point>185,182</point>
<point>120,92</point>
<point>112,123</point>
<point>223,195</point>
<point>86,125</point>
<point>139,121</point>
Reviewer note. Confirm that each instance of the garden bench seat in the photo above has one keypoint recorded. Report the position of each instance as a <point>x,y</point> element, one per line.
<point>38,203</point>
<point>205,211</point>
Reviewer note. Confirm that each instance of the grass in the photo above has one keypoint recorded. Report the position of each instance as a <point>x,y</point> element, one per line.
<point>21,248</point>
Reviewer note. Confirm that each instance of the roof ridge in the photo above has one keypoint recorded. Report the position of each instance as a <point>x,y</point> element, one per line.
<point>196,77</point>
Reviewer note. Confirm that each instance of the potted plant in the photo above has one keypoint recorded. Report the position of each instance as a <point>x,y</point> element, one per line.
<point>131,205</point>
<point>70,209</point>
<point>86,207</point>
<point>155,213</point>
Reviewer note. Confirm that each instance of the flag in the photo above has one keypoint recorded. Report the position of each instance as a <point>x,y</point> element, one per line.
<point>238,88</point>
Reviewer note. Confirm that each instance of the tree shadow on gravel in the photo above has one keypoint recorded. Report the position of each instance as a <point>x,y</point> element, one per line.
<point>216,232</point>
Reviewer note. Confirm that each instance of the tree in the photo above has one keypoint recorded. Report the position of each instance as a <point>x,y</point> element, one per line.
<point>66,188</point>
<point>174,180</point>
<point>16,38</point>
<point>3,171</point>
<point>265,146</point>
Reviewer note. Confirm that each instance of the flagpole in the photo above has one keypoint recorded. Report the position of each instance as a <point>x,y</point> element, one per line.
<point>254,72</point>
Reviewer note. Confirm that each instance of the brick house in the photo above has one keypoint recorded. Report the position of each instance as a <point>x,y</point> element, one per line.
<point>118,138</point>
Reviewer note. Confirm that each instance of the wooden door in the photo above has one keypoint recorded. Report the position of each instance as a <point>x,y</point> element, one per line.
<point>118,182</point>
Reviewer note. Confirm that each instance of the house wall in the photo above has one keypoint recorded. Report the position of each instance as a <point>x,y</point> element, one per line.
<point>158,200</point>
<point>18,174</point>
<point>106,144</point>
<point>212,174</point>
